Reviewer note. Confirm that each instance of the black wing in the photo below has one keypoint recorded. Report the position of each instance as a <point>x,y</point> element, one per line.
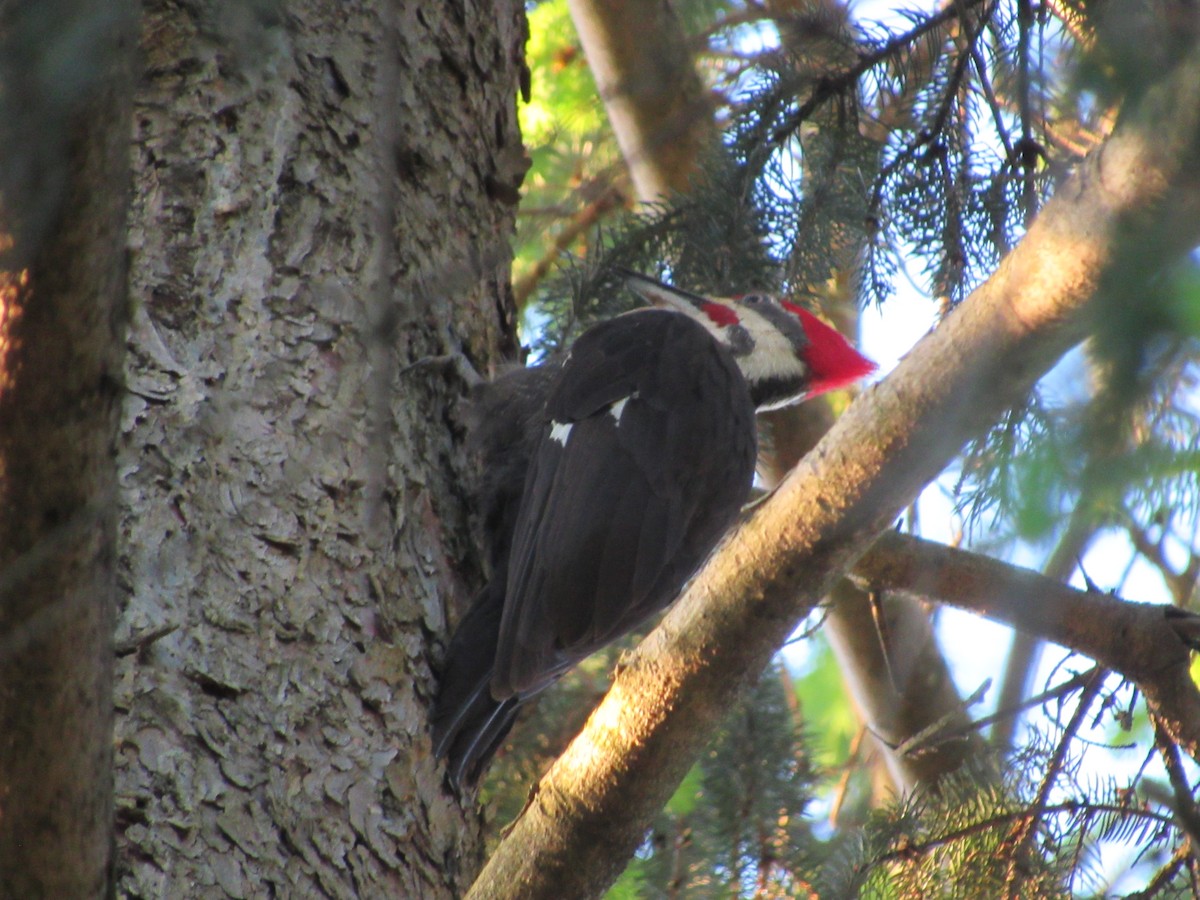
<point>646,457</point>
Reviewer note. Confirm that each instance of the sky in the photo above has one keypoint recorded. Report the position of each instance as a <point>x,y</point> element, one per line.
<point>975,648</point>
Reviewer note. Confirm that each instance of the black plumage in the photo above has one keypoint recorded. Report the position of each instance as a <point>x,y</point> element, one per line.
<point>618,513</point>
<point>607,478</point>
<point>643,452</point>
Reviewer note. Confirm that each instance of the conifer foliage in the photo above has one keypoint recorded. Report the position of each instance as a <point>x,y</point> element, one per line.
<point>864,154</point>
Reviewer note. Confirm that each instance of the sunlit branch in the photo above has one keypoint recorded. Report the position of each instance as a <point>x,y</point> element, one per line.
<point>1132,638</point>
<point>610,199</point>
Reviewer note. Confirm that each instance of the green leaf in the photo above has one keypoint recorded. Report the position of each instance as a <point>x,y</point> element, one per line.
<point>631,883</point>
<point>827,710</point>
<point>688,794</point>
<point>563,99</point>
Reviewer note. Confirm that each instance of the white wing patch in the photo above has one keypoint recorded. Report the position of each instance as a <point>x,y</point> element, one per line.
<point>560,431</point>
<point>618,409</point>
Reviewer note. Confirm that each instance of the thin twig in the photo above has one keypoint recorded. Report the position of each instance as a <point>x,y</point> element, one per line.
<point>908,851</point>
<point>1181,584</point>
<point>144,639</point>
<point>839,793</point>
<point>610,199</point>
<point>1185,809</point>
<point>989,93</point>
<point>1163,877</point>
<point>832,85</point>
<point>1055,693</point>
<point>1022,833</point>
<point>936,734</point>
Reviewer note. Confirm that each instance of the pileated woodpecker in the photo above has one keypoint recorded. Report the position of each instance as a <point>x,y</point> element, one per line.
<point>608,478</point>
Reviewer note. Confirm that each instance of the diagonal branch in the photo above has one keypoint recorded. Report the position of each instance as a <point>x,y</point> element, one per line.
<point>660,112</point>
<point>999,820</point>
<point>1134,201</point>
<point>1149,644</point>
<point>1186,811</point>
<point>1139,640</point>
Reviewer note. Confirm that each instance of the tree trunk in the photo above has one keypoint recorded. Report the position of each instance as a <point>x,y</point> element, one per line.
<point>324,197</point>
<point>63,129</point>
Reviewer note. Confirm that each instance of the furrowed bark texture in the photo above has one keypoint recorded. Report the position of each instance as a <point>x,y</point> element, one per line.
<point>324,195</point>
<point>592,808</point>
<point>62,293</point>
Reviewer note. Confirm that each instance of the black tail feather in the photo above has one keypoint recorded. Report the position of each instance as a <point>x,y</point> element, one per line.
<point>468,723</point>
<point>475,745</point>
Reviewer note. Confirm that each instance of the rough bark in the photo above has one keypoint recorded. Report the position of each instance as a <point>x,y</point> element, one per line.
<point>64,135</point>
<point>324,196</point>
<point>1131,205</point>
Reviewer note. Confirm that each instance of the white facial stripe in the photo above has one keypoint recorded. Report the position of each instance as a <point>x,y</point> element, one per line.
<point>773,355</point>
<point>560,431</point>
<point>618,408</point>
